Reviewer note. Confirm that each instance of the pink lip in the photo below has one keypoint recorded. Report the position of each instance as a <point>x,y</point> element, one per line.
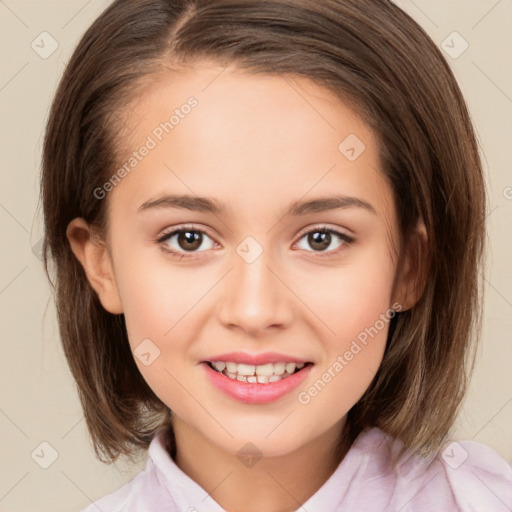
<point>256,359</point>
<point>257,393</point>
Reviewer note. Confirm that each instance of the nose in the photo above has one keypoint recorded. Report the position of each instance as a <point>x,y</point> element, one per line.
<point>255,297</point>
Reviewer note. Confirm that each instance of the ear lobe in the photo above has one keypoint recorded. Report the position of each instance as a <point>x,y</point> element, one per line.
<point>412,274</point>
<point>92,253</point>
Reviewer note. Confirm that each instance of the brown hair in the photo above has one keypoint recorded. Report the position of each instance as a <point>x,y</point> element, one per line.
<point>368,52</point>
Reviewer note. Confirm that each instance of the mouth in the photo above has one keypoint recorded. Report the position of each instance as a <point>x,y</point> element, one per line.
<point>257,374</point>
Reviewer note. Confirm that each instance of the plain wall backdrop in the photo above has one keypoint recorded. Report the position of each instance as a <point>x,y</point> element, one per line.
<point>47,461</point>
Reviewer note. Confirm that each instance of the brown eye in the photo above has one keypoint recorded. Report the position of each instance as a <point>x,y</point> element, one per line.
<point>181,241</point>
<point>189,240</point>
<point>320,239</point>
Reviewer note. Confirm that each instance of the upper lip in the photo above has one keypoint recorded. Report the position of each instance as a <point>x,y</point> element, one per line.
<point>256,359</point>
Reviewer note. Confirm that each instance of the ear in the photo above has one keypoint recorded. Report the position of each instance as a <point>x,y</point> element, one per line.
<point>412,269</point>
<point>92,253</point>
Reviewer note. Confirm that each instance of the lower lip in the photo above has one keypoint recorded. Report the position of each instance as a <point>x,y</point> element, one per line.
<point>256,393</point>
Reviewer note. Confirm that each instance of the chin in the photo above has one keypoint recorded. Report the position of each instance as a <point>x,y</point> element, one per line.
<point>274,441</point>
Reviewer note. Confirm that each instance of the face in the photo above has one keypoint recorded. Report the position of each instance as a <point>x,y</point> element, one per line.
<point>263,266</point>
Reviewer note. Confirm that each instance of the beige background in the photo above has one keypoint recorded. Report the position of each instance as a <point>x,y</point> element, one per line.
<point>39,402</point>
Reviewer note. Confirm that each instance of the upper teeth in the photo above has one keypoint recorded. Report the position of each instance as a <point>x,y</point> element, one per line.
<point>262,370</point>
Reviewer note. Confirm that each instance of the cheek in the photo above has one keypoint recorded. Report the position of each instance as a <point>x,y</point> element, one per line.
<point>158,308</point>
<point>161,304</point>
<point>352,296</point>
<point>354,303</point>
<point>351,359</point>
<point>156,294</point>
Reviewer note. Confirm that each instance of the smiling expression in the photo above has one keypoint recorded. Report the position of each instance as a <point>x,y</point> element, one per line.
<point>251,228</point>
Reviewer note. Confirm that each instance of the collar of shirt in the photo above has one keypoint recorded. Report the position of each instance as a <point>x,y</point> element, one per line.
<point>189,496</point>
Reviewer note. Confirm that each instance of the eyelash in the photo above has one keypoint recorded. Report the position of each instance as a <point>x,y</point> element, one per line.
<point>347,240</point>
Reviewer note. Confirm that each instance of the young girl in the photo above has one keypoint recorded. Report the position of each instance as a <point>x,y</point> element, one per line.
<point>266,221</point>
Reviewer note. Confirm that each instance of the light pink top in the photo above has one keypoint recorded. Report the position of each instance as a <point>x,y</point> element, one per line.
<point>464,476</point>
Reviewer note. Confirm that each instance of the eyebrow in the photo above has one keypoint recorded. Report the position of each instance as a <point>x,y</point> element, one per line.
<point>208,205</point>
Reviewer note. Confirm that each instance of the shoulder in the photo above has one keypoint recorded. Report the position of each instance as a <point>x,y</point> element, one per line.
<point>144,491</point>
<point>462,475</point>
<point>123,499</point>
<point>466,476</point>
<point>478,477</point>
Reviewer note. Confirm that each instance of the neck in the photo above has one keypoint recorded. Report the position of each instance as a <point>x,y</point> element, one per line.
<point>275,484</point>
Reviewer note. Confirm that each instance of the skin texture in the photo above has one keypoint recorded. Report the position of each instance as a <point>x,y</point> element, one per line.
<point>255,143</point>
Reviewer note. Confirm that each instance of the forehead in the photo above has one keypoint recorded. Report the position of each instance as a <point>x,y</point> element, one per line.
<point>250,140</point>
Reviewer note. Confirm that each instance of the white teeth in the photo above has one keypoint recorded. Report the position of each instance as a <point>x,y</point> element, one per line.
<point>246,369</point>
<point>265,369</point>
<point>290,367</point>
<point>220,365</point>
<point>279,368</point>
<point>271,372</point>
<point>231,367</point>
